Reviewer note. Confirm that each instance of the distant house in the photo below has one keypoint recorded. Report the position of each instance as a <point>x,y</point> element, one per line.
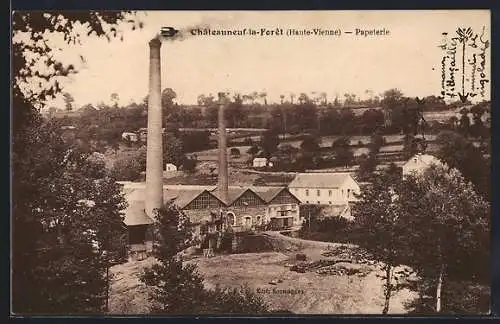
<point>419,163</point>
<point>324,188</point>
<point>259,162</point>
<point>132,137</point>
<point>170,167</point>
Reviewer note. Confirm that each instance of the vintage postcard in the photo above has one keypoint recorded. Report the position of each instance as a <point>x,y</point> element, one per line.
<point>251,162</point>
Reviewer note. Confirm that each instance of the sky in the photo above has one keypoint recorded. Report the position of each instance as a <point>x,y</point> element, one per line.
<point>408,58</point>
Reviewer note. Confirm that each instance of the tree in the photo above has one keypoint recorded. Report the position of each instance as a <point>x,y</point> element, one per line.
<point>372,120</point>
<point>343,153</point>
<point>115,99</point>
<point>178,288</point>
<point>189,165</point>
<point>68,101</point>
<point>269,142</point>
<point>206,101</point>
<point>63,203</point>
<point>367,166</point>
<point>310,144</point>
<point>304,98</point>
<point>410,146</point>
<point>167,97</point>
<point>459,152</point>
<point>376,142</point>
<point>254,149</point>
<point>464,122</point>
<point>173,149</point>
<point>377,219</point>
<point>235,152</point>
<point>234,112</point>
<point>127,168</point>
<point>449,222</point>
<point>392,100</point>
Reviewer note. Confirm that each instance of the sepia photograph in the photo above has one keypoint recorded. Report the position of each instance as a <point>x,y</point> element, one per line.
<point>256,163</point>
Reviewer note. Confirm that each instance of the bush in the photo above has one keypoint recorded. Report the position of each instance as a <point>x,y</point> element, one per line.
<point>189,165</point>
<point>254,149</point>
<point>241,301</point>
<point>126,169</point>
<point>178,288</point>
<point>235,152</point>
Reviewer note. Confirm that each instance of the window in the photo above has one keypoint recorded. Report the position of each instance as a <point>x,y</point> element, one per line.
<point>318,192</point>
<point>342,192</point>
<point>348,192</point>
<point>307,192</point>
<point>307,201</point>
<point>330,202</point>
<point>318,202</point>
<point>231,219</point>
<point>248,221</point>
<point>329,193</point>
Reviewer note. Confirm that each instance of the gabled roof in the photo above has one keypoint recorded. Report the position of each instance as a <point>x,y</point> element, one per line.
<point>423,159</point>
<point>319,180</point>
<point>185,197</point>
<point>135,212</point>
<point>268,194</point>
<point>233,194</point>
<point>136,215</point>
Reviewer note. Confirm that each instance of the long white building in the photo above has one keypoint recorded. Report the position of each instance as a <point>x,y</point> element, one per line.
<point>324,188</point>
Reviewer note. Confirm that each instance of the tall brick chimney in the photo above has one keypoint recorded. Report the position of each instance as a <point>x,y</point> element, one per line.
<point>222,186</point>
<point>154,157</point>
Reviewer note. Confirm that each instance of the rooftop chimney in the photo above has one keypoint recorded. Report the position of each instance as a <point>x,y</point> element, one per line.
<point>222,186</point>
<point>154,157</point>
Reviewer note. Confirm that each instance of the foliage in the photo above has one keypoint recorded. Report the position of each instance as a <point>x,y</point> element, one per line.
<point>460,153</point>
<point>310,143</point>
<point>189,165</point>
<point>173,150</point>
<point>66,212</point>
<point>269,143</point>
<point>367,167</point>
<point>449,221</point>
<point>254,149</point>
<point>235,152</point>
<point>65,209</point>
<point>127,168</point>
<point>459,298</point>
<point>343,153</point>
<point>377,219</point>
<point>195,141</point>
<point>178,288</point>
<point>242,301</point>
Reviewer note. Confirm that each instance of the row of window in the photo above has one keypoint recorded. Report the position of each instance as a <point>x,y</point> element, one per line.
<point>231,219</point>
<point>318,192</point>
<point>319,202</point>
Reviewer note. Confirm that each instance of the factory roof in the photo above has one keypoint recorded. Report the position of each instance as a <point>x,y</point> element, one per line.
<point>319,180</point>
<point>135,212</point>
<point>136,215</point>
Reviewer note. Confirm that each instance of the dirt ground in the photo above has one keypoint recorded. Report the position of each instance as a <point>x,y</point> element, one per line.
<point>269,274</point>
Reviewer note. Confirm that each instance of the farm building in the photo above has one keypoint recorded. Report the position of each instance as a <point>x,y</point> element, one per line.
<point>169,167</point>
<point>259,162</point>
<point>324,188</point>
<point>132,137</point>
<point>419,163</point>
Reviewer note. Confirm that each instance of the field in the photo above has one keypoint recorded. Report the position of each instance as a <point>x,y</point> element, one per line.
<point>353,288</point>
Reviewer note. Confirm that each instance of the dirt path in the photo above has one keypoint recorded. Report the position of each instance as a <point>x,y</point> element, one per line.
<point>268,274</point>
